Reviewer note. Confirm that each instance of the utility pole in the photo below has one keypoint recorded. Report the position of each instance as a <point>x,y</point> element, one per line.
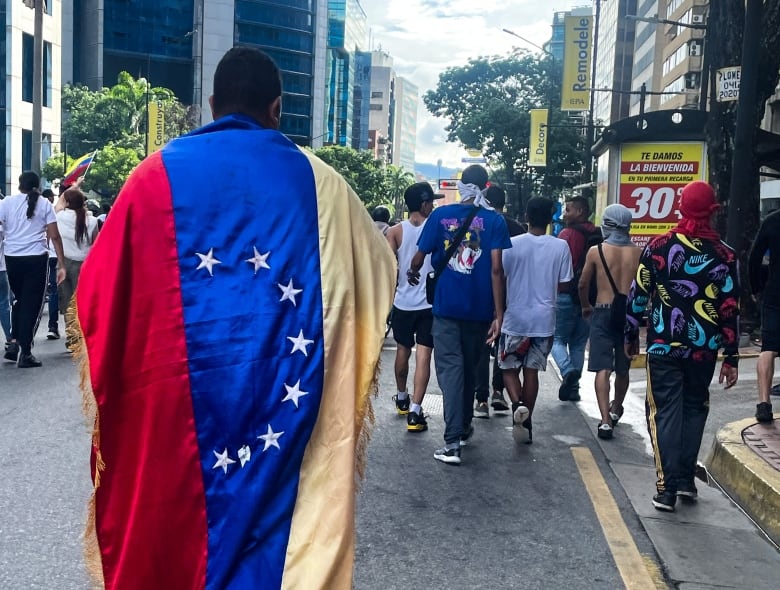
<point>743,174</point>
<point>37,131</point>
<point>589,139</point>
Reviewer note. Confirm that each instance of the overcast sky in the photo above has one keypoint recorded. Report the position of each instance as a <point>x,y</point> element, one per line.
<point>427,36</point>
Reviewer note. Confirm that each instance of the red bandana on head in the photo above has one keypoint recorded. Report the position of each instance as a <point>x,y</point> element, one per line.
<point>697,204</point>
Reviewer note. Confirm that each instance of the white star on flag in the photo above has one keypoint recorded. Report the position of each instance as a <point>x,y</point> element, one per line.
<point>244,454</point>
<point>299,343</point>
<point>207,261</point>
<point>271,439</point>
<point>259,260</point>
<point>222,460</point>
<point>289,292</point>
<point>293,393</point>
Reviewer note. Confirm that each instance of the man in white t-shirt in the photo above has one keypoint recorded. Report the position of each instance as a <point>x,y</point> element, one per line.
<point>537,267</point>
<point>412,318</point>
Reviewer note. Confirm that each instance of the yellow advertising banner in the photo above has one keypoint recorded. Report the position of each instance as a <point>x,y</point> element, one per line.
<point>537,144</point>
<point>156,126</point>
<point>652,176</point>
<point>578,43</point>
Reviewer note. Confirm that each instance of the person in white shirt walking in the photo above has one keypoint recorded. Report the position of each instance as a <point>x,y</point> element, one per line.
<point>5,296</point>
<point>78,231</point>
<point>412,319</point>
<point>29,222</point>
<point>537,268</point>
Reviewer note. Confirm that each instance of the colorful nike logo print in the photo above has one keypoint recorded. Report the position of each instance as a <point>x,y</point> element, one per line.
<point>692,268</point>
<point>687,242</point>
<point>706,310</point>
<point>696,333</point>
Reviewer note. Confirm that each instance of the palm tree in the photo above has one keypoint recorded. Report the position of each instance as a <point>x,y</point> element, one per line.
<point>397,180</point>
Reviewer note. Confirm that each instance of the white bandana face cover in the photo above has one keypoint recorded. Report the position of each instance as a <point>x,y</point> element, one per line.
<point>472,191</point>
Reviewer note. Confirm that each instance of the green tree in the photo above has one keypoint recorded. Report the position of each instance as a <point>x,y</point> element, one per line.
<point>396,181</point>
<point>54,167</point>
<point>487,104</point>
<point>112,165</point>
<point>364,174</point>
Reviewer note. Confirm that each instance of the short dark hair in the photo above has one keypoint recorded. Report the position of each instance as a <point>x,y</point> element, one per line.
<point>475,174</point>
<point>539,211</point>
<point>246,81</point>
<point>497,196</point>
<point>381,213</point>
<point>582,203</point>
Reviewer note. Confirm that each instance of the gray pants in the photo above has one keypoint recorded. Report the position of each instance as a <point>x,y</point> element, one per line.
<point>457,345</point>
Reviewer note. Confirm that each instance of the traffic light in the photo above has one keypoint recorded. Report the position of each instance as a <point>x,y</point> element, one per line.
<point>448,184</point>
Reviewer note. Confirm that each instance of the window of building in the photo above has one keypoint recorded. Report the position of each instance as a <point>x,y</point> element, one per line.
<point>378,94</point>
<point>376,107</point>
<point>28,57</point>
<point>47,89</point>
<point>27,149</point>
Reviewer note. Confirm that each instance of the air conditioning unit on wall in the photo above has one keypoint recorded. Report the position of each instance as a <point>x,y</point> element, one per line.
<point>695,49</point>
<point>697,19</point>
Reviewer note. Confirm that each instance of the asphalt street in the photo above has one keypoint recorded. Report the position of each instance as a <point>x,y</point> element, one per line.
<point>568,511</point>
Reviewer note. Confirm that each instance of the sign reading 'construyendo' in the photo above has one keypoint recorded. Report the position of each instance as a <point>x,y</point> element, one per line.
<point>578,40</point>
<point>652,176</point>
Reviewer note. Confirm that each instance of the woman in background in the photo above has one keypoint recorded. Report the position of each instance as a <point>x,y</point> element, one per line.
<point>78,231</point>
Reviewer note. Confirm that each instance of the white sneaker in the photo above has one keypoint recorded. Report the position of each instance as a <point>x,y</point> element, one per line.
<point>519,415</point>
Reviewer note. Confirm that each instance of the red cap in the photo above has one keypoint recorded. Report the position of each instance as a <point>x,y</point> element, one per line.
<point>698,200</point>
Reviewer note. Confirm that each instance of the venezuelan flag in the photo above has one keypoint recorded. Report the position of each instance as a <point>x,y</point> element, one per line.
<point>78,168</point>
<point>232,314</point>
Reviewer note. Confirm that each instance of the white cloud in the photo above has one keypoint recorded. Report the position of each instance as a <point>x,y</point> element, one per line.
<point>427,36</point>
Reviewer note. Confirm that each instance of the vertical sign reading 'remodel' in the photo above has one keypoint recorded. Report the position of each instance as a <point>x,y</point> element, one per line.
<point>537,145</point>
<point>578,42</point>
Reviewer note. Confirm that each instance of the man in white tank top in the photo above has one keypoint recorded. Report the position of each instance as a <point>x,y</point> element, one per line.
<point>412,319</point>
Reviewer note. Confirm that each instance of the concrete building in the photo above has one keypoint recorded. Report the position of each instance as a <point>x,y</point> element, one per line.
<point>381,120</point>
<point>648,56</point>
<point>611,100</point>
<point>682,53</point>
<point>18,148</point>
<point>404,136</point>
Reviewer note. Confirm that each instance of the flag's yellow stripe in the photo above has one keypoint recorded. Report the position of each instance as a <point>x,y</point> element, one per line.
<point>358,280</point>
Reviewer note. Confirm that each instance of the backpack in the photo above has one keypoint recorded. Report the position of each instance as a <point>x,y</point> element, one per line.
<point>592,238</point>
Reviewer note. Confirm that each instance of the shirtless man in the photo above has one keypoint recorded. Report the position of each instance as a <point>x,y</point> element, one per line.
<point>607,353</point>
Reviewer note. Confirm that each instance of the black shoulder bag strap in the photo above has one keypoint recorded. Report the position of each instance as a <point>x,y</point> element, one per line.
<point>606,269</point>
<point>455,243</point>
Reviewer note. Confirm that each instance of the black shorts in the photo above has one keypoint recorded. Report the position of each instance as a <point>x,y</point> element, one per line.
<point>770,328</point>
<point>412,326</point>
<point>606,350</point>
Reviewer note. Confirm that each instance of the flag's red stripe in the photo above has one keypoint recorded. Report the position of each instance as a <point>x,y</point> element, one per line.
<point>150,505</point>
<point>74,175</point>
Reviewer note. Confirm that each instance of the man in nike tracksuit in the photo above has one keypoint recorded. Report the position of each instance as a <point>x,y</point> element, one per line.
<point>690,279</point>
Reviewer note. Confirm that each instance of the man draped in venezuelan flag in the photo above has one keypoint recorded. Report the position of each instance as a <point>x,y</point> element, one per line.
<point>233,312</point>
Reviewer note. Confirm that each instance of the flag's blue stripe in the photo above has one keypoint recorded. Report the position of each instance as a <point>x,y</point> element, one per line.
<point>236,186</point>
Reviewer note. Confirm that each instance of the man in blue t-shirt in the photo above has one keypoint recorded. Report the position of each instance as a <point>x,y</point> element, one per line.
<point>469,296</point>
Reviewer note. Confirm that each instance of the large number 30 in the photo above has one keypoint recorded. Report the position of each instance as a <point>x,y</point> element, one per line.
<point>656,204</point>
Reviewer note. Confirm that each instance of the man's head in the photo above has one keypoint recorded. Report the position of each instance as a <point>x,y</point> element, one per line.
<point>698,201</point>
<point>577,211</point>
<point>48,194</point>
<point>381,214</point>
<point>475,174</point>
<point>248,82</point>
<point>616,224</point>
<point>539,212</point>
<point>419,198</point>
<point>497,197</point>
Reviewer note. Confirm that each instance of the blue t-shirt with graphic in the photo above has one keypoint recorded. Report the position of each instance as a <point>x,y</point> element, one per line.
<point>464,290</point>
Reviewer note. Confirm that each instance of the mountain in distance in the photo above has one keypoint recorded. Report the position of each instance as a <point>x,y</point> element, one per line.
<point>431,171</point>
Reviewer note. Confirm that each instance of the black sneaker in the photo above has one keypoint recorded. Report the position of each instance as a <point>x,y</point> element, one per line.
<point>481,410</point>
<point>687,493</point>
<point>605,431</point>
<point>449,456</point>
<point>401,405</point>
<point>11,351</point>
<point>54,334</point>
<point>498,403</point>
<point>27,361</point>
<point>665,501</point>
<point>416,422</point>
<point>764,413</point>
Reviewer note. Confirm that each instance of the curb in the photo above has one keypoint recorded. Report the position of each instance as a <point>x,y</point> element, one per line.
<point>750,481</point>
